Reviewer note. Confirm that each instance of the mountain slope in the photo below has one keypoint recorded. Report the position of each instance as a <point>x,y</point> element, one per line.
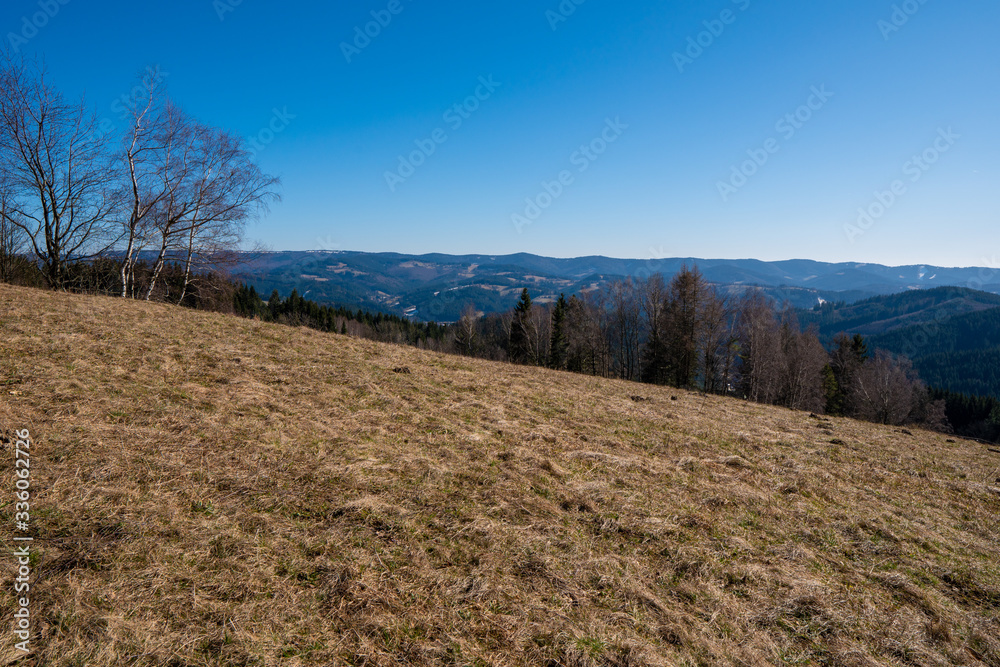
<point>951,334</point>
<point>215,491</point>
<point>960,353</point>
<point>882,314</point>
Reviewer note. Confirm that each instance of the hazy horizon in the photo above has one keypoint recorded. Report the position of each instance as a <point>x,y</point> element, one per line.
<point>990,263</point>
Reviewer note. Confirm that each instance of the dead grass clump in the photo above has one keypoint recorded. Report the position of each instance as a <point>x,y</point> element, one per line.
<point>609,460</point>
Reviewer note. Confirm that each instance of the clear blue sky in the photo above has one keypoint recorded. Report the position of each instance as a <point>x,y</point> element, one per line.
<point>654,191</point>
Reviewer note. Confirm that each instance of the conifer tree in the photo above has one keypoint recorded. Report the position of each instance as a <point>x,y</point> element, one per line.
<point>559,343</point>
<point>522,332</point>
<point>274,305</point>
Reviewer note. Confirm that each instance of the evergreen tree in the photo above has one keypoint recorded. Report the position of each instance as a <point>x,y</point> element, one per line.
<point>274,305</point>
<point>688,294</point>
<point>559,343</point>
<point>860,348</point>
<point>522,350</point>
<point>848,357</point>
<point>835,396</point>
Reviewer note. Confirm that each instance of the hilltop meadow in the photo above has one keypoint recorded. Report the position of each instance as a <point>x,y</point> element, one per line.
<point>211,490</point>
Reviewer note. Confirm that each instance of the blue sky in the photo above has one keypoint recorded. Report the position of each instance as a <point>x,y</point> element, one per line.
<point>602,128</point>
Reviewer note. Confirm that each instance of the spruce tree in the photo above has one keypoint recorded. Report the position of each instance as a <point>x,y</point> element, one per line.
<point>834,393</point>
<point>559,343</point>
<point>274,305</point>
<point>521,328</point>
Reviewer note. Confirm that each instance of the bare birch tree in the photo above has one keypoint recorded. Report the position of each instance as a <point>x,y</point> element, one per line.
<point>467,331</point>
<point>626,319</point>
<point>11,237</point>
<point>653,293</point>
<point>885,389</point>
<point>209,189</point>
<point>760,348</point>
<point>143,156</point>
<point>804,360</point>
<point>231,191</point>
<point>58,171</point>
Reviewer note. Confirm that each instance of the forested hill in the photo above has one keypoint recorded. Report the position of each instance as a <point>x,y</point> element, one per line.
<point>896,311</point>
<point>438,287</point>
<point>951,334</point>
<point>961,353</point>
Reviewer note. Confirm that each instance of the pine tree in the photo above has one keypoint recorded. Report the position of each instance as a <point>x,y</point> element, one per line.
<point>835,396</point>
<point>274,305</point>
<point>559,343</point>
<point>688,293</point>
<point>522,332</point>
<point>848,357</point>
<point>860,348</point>
<point>995,415</point>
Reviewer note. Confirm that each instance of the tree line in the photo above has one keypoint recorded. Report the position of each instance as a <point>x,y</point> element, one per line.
<point>160,191</point>
<point>684,333</point>
<point>971,416</point>
<point>296,310</point>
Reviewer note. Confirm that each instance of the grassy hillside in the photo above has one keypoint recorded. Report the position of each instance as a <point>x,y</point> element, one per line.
<point>215,491</point>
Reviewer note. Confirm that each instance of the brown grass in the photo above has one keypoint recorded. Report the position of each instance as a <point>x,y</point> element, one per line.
<point>215,491</point>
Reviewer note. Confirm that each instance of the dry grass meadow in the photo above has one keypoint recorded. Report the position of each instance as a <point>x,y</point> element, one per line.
<point>216,491</point>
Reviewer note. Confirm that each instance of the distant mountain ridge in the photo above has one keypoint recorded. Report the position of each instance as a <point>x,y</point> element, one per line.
<point>437,286</point>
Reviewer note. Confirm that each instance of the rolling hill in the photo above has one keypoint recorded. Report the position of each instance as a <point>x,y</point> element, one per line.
<point>960,353</point>
<point>437,287</point>
<point>951,334</point>
<point>217,491</point>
